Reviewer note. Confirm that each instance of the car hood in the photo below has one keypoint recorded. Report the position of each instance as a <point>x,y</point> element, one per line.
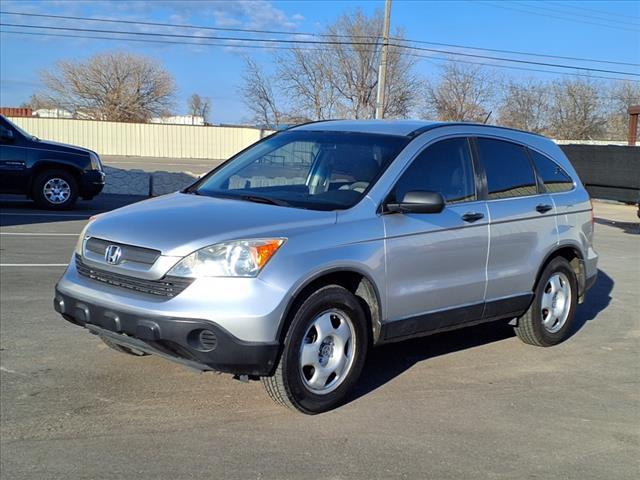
<point>178,224</point>
<point>63,147</point>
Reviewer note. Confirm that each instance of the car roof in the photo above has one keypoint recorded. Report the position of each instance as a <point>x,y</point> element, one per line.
<point>409,128</point>
<point>388,127</point>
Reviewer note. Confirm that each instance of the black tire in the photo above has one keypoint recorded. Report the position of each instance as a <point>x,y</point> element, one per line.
<point>38,191</point>
<point>287,386</point>
<point>530,328</point>
<point>121,349</point>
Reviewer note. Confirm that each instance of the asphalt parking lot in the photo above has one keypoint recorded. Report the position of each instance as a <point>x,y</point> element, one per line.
<point>476,403</point>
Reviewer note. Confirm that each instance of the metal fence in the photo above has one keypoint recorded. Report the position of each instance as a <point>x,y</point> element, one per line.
<point>142,139</point>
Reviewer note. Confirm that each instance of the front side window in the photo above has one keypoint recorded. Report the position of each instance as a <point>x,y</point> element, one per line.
<point>5,133</point>
<point>16,128</point>
<point>509,172</point>
<point>445,167</point>
<point>555,179</point>
<point>305,169</point>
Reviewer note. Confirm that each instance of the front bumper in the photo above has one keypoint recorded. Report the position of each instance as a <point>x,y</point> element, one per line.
<point>177,339</point>
<point>92,183</point>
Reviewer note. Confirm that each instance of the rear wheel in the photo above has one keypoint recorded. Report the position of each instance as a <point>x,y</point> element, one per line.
<point>55,190</point>
<point>324,352</point>
<point>550,316</point>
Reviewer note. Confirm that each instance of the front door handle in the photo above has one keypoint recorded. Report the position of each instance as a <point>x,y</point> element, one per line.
<point>472,216</point>
<point>543,208</point>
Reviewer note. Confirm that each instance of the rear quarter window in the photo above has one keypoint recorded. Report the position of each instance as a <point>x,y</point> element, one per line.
<point>555,179</point>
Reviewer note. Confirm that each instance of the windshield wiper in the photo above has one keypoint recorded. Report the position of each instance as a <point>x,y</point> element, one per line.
<point>246,197</point>
<point>268,200</point>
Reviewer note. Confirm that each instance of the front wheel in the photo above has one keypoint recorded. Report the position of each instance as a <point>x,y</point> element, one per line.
<point>55,190</point>
<point>324,352</point>
<point>550,316</point>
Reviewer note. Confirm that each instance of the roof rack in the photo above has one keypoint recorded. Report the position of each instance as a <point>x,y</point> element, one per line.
<point>310,122</point>
<point>432,126</point>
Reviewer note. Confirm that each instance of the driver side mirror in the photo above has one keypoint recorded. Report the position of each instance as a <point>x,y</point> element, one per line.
<point>418,202</point>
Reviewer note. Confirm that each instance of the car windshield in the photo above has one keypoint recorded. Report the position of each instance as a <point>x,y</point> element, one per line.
<point>305,169</point>
<point>21,131</point>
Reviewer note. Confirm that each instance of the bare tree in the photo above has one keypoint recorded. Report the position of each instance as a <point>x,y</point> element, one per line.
<point>114,86</point>
<point>621,96</point>
<point>463,93</point>
<point>37,102</point>
<point>402,86</point>
<point>339,79</point>
<point>576,111</point>
<point>258,95</point>
<point>306,78</point>
<point>199,106</point>
<point>354,60</point>
<point>525,106</point>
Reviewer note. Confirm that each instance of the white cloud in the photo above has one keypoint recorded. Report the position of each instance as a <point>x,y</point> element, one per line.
<point>257,14</point>
<point>244,14</point>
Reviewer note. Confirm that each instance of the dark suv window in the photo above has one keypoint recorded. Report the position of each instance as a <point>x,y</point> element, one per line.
<point>5,134</point>
<point>444,167</point>
<point>509,172</point>
<point>555,179</point>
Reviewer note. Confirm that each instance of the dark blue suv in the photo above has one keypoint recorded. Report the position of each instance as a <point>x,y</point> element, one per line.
<point>52,174</point>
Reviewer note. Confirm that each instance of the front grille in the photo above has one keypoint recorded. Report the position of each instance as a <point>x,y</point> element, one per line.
<point>130,253</point>
<point>167,287</point>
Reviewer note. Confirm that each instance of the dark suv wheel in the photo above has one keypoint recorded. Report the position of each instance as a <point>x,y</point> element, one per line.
<point>550,316</point>
<point>324,352</point>
<point>55,190</point>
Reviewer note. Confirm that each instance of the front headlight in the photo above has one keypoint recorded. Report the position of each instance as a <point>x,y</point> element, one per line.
<point>83,234</point>
<point>240,258</point>
<point>96,164</point>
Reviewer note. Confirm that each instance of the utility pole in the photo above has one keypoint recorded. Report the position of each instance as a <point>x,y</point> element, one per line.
<point>382,72</point>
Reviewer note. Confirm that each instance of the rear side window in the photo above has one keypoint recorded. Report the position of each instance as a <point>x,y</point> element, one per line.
<point>509,172</point>
<point>444,167</point>
<point>555,179</point>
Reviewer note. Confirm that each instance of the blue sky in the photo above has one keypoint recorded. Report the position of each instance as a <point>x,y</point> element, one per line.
<point>605,30</point>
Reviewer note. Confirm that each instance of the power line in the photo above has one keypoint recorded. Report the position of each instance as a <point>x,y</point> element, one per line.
<point>540,70</point>
<point>568,19</point>
<point>210,44</point>
<point>169,42</point>
<point>182,25</point>
<point>497,50</point>
<point>543,6</point>
<point>321,42</point>
<point>280,32</point>
<point>182,35</point>
<point>601,12</point>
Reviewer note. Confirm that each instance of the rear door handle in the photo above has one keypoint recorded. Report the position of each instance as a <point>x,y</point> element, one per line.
<point>543,208</point>
<point>472,216</point>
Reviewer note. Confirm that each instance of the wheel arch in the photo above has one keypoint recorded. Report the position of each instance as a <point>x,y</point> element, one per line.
<point>573,254</point>
<point>354,280</point>
<point>44,165</point>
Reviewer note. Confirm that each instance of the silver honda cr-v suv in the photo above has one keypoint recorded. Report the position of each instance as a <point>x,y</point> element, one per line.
<point>294,258</point>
